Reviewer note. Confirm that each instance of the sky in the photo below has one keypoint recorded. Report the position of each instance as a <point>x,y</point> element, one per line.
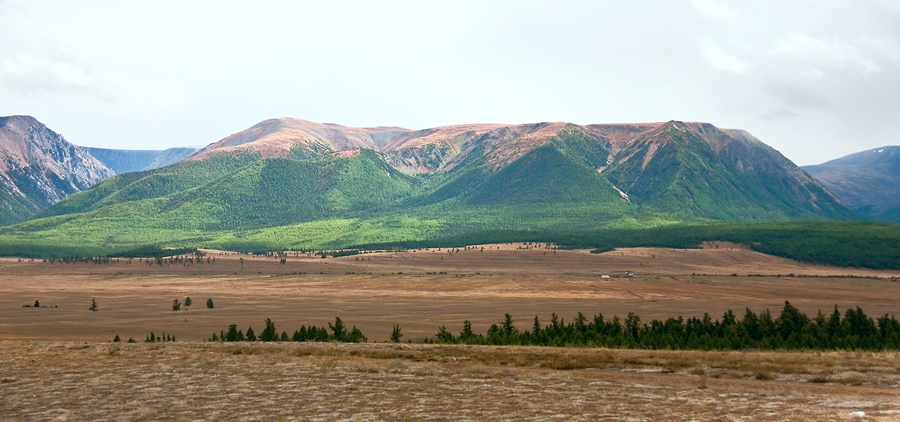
<point>814,79</point>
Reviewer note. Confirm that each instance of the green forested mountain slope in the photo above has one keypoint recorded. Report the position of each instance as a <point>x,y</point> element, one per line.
<point>294,190</point>
<point>148,184</point>
<point>692,171</point>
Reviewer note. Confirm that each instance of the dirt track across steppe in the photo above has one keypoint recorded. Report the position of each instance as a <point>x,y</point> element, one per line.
<point>56,362</point>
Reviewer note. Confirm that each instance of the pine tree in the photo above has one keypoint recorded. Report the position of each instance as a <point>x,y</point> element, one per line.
<point>444,336</point>
<point>269,333</point>
<point>507,328</point>
<point>93,304</point>
<point>356,336</point>
<point>396,334</point>
<point>580,323</point>
<point>467,331</point>
<point>176,305</point>
<point>250,335</point>
<point>188,302</point>
<point>209,303</point>
<point>37,304</point>
<point>338,328</point>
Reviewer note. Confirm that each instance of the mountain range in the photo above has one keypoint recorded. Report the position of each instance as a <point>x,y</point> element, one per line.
<point>288,183</point>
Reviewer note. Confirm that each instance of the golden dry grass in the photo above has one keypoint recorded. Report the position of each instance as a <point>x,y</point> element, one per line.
<point>289,381</point>
<point>436,288</point>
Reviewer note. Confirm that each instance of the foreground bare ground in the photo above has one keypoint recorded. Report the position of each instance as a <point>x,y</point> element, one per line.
<point>77,381</point>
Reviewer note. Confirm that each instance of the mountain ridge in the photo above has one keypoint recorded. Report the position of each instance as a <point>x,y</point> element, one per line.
<point>38,168</point>
<point>868,181</point>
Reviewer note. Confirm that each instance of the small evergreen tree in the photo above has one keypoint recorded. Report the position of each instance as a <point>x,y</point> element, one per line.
<point>232,334</point>
<point>507,328</point>
<point>37,304</point>
<point>93,304</point>
<point>338,328</point>
<point>396,334</point>
<point>250,335</point>
<point>176,305</point>
<point>467,330</point>
<point>356,336</point>
<point>269,333</point>
<point>117,339</point>
<point>444,336</point>
<point>187,302</point>
<point>209,303</point>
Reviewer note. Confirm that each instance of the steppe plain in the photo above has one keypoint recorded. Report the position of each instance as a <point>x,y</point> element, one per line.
<point>57,362</point>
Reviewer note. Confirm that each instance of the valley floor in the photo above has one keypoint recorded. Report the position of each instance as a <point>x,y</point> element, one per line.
<point>420,290</point>
<point>57,362</point>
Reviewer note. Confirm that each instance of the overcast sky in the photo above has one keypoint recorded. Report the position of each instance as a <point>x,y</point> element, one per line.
<point>815,79</point>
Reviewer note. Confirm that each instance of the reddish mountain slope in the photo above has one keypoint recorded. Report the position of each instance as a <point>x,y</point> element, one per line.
<point>38,167</point>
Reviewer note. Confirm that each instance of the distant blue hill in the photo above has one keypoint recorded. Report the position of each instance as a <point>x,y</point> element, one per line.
<point>868,181</point>
<point>124,161</point>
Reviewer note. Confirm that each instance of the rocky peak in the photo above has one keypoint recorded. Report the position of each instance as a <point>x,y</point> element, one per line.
<point>38,167</point>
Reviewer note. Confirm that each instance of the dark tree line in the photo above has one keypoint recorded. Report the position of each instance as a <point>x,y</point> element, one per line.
<point>791,330</point>
<point>338,332</point>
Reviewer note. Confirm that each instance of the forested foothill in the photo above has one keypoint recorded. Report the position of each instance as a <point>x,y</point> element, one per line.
<point>840,244</point>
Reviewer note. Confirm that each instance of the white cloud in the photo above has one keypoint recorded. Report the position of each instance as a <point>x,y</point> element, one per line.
<point>887,47</point>
<point>720,59</point>
<point>27,74</point>
<point>825,51</point>
<point>783,113</point>
<point>712,9</point>
<point>891,5</point>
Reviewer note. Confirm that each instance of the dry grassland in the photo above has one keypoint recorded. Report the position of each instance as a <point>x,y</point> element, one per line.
<point>73,381</point>
<point>435,288</point>
<point>56,364</point>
